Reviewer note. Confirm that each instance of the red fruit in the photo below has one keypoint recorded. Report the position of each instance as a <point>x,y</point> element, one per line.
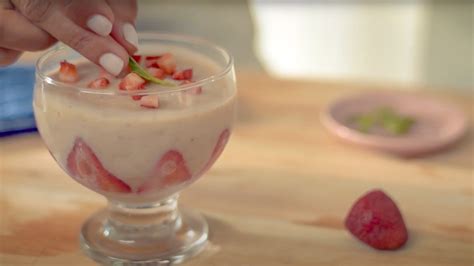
<point>221,142</point>
<point>151,63</point>
<point>137,58</point>
<point>132,82</point>
<point>86,168</point>
<point>170,170</point>
<point>152,57</point>
<point>68,72</point>
<point>376,220</point>
<point>156,72</point>
<point>186,74</point>
<point>150,101</point>
<point>167,62</point>
<point>99,83</point>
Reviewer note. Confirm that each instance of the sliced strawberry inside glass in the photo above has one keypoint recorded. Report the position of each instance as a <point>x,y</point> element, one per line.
<point>170,170</point>
<point>68,72</point>
<point>220,145</point>
<point>85,167</point>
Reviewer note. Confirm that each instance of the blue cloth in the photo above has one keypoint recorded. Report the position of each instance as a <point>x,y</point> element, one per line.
<point>16,96</point>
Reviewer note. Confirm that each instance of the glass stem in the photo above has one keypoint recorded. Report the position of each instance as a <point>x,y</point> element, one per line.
<point>126,222</point>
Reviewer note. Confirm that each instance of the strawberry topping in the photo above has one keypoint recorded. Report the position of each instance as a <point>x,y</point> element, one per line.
<point>68,72</point>
<point>99,83</point>
<point>132,82</point>
<point>167,62</point>
<point>156,72</point>
<point>186,74</point>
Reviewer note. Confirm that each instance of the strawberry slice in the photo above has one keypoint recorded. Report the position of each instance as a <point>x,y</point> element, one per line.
<point>87,169</point>
<point>99,83</point>
<point>167,62</point>
<point>194,90</point>
<point>221,142</point>
<point>376,220</point>
<point>68,72</point>
<point>150,101</point>
<point>186,74</point>
<point>156,72</point>
<point>170,170</point>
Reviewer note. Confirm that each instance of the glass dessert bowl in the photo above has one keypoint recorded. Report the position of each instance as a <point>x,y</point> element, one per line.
<point>138,143</point>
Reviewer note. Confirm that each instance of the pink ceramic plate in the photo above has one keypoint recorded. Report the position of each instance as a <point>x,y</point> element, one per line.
<point>437,124</point>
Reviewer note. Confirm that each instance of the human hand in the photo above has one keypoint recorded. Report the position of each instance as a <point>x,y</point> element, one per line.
<point>101,30</point>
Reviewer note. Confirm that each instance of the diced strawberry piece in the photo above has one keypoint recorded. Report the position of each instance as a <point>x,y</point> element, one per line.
<point>99,83</point>
<point>152,57</point>
<point>186,74</point>
<point>150,101</point>
<point>170,170</point>
<point>156,72</point>
<point>194,90</point>
<point>86,168</point>
<point>132,82</point>
<point>376,220</point>
<point>151,63</point>
<point>137,97</point>
<point>167,62</point>
<point>68,72</point>
<point>221,142</point>
<point>137,58</point>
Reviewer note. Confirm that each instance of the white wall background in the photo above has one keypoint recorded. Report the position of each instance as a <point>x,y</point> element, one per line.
<point>412,42</point>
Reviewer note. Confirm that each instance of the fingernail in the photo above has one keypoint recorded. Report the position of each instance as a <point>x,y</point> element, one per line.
<point>130,34</point>
<point>100,25</point>
<point>112,63</point>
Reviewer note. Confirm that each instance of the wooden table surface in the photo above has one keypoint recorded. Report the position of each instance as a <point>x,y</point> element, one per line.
<point>277,196</point>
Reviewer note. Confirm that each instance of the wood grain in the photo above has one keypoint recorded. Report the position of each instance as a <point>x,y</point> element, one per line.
<point>277,196</point>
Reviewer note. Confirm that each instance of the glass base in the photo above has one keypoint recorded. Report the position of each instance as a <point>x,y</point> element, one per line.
<point>154,234</point>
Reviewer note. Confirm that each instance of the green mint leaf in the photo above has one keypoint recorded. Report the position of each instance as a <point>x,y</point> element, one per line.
<point>136,68</point>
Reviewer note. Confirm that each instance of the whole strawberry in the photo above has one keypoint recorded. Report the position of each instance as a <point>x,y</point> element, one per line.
<point>376,220</point>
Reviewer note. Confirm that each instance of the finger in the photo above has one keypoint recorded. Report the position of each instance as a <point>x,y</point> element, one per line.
<point>95,15</point>
<point>17,33</point>
<point>104,51</point>
<point>8,57</point>
<point>125,12</point>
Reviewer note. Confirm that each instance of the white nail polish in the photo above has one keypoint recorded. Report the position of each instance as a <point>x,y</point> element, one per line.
<point>112,63</point>
<point>100,25</point>
<point>130,34</point>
